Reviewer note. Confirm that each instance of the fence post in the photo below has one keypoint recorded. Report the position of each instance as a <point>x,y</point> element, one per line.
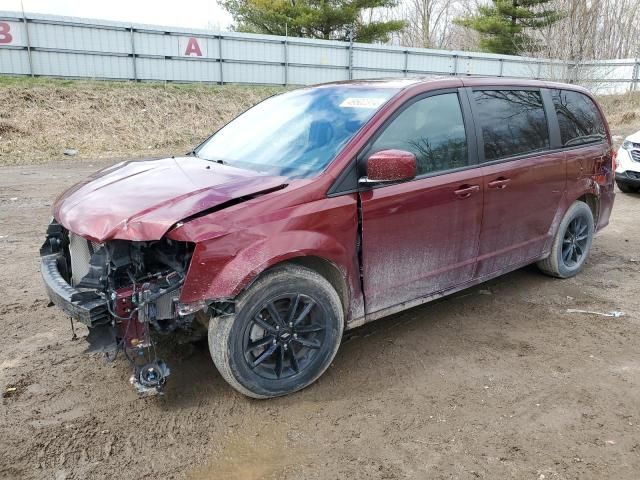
<point>286,61</point>
<point>351,54</point>
<point>133,56</point>
<point>501,72</point>
<point>406,63</point>
<point>572,69</point>
<point>539,71</point>
<point>220,58</point>
<point>455,64</point>
<point>26,29</point>
<point>636,74</point>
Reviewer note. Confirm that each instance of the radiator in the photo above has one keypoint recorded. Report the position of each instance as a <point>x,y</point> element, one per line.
<point>80,256</point>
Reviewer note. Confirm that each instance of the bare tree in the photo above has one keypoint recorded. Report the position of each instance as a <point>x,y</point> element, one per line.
<point>592,30</point>
<point>429,23</point>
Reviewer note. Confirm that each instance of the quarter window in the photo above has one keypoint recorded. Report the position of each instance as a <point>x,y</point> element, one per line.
<point>579,119</point>
<point>513,122</point>
<point>433,130</point>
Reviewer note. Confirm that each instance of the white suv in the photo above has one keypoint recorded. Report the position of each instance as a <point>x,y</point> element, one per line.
<point>628,161</point>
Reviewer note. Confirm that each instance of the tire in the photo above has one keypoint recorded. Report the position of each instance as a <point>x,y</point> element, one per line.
<point>626,188</point>
<point>573,237</point>
<point>257,351</point>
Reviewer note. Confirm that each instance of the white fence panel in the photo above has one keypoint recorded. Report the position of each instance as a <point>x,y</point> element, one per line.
<point>303,54</point>
<point>61,64</point>
<point>519,69</point>
<point>253,73</point>
<point>554,70</point>
<point>253,51</point>
<point>311,76</point>
<point>14,62</point>
<point>362,74</point>
<point>66,37</point>
<point>424,63</point>
<point>483,66</point>
<point>147,43</point>
<point>379,59</point>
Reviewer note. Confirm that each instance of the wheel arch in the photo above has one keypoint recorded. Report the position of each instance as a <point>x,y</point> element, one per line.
<point>329,271</point>
<point>593,202</point>
<point>588,195</point>
<point>321,254</point>
<point>322,266</point>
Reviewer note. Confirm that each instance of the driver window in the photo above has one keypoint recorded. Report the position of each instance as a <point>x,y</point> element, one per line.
<point>433,130</point>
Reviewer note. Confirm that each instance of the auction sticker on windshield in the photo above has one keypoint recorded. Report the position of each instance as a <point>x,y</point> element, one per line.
<point>362,102</point>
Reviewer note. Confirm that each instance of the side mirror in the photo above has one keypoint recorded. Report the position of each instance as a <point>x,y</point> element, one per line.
<point>390,166</point>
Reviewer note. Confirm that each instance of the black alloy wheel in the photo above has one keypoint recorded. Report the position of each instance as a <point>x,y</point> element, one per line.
<point>574,244</point>
<point>283,338</point>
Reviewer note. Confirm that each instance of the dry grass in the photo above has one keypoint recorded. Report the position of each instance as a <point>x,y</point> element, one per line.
<point>41,118</point>
<point>623,113</point>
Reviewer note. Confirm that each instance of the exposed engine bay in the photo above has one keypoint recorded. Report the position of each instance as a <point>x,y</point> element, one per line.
<point>126,292</point>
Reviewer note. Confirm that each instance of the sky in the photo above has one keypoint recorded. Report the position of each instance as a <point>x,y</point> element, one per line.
<point>183,13</point>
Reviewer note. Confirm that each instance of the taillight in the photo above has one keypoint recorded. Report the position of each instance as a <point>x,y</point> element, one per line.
<point>614,156</point>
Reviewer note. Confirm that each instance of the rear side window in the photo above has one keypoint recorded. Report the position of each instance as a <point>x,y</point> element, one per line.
<point>513,122</point>
<point>579,118</point>
<point>433,130</point>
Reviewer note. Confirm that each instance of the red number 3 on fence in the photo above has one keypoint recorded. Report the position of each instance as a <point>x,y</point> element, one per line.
<point>5,36</point>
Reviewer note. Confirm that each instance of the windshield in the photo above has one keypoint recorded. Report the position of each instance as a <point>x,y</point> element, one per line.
<point>295,134</point>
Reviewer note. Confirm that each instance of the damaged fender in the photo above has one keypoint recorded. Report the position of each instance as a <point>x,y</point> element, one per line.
<point>223,266</point>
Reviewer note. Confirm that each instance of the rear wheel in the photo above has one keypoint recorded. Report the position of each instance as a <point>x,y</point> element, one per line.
<point>283,336</point>
<point>571,244</point>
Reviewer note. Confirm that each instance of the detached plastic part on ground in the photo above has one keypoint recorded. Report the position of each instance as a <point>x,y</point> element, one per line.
<point>614,314</point>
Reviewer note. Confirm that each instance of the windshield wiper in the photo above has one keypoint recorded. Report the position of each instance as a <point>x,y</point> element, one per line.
<point>193,153</point>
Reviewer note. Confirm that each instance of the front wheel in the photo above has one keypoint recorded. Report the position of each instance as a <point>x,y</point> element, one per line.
<point>285,333</point>
<point>571,244</point>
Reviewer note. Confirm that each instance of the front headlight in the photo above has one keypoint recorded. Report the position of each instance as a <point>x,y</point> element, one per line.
<point>627,145</point>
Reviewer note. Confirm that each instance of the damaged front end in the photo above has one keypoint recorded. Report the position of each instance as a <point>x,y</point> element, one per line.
<point>125,292</point>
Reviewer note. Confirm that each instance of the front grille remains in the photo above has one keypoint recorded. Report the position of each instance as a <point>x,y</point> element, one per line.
<point>80,257</point>
<point>635,154</point>
<point>81,249</point>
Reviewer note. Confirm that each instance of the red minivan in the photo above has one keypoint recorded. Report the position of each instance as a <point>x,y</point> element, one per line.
<point>323,208</point>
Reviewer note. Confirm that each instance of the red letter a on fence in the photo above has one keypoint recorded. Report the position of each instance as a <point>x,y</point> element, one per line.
<point>193,47</point>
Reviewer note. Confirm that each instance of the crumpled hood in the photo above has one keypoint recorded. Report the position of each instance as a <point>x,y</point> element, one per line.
<point>142,200</point>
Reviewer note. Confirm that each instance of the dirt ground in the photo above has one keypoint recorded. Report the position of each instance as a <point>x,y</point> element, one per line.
<point>495,382</point>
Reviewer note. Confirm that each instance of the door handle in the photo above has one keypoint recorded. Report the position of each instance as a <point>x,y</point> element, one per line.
<point>465,191</point>
<point>499,183</point>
